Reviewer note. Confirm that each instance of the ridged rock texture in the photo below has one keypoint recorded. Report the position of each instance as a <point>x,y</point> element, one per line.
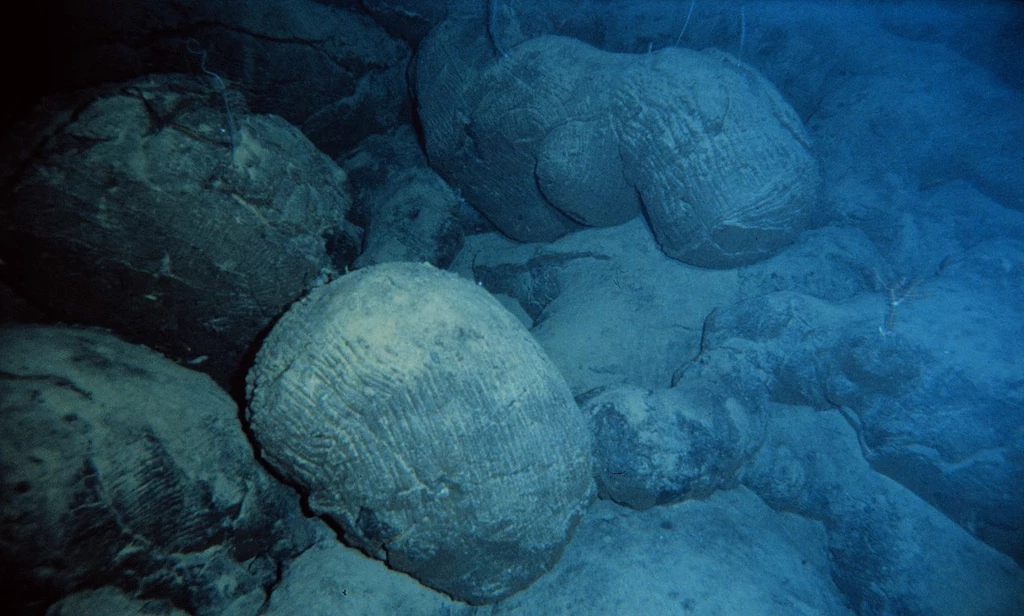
<point>425,421</point>
<point>121,468</point>
<point>163,211</point>
<point>552,134</point>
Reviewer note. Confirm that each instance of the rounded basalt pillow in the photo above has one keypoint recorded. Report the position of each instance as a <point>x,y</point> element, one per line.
<point>704,145</point>
<point>161,210</point>
<point>425,421</point>
<point>669,445</point>
<point>120,468</point>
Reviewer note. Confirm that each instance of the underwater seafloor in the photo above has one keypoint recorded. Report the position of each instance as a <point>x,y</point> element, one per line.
<point>817,408</point>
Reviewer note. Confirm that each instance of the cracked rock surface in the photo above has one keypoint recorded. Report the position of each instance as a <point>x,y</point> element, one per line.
<point>168,224</point>
<point>123,469</point>
<point>426,422</point>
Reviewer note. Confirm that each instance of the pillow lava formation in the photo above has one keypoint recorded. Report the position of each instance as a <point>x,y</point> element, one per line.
<point>555,134</point>
<point>425,421</point>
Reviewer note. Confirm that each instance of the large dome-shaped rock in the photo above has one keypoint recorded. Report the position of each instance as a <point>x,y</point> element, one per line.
<point>159,209</point>
<point>553,133</point>
<point>720,160</point>
<point>122,468</point>
<point>424,420</point>
<point>528,139</point>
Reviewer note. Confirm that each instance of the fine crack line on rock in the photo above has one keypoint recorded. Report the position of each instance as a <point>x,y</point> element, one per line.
<point>56,381</point>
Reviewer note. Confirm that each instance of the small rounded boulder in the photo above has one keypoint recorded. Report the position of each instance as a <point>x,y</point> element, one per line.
<point>425,421</point>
